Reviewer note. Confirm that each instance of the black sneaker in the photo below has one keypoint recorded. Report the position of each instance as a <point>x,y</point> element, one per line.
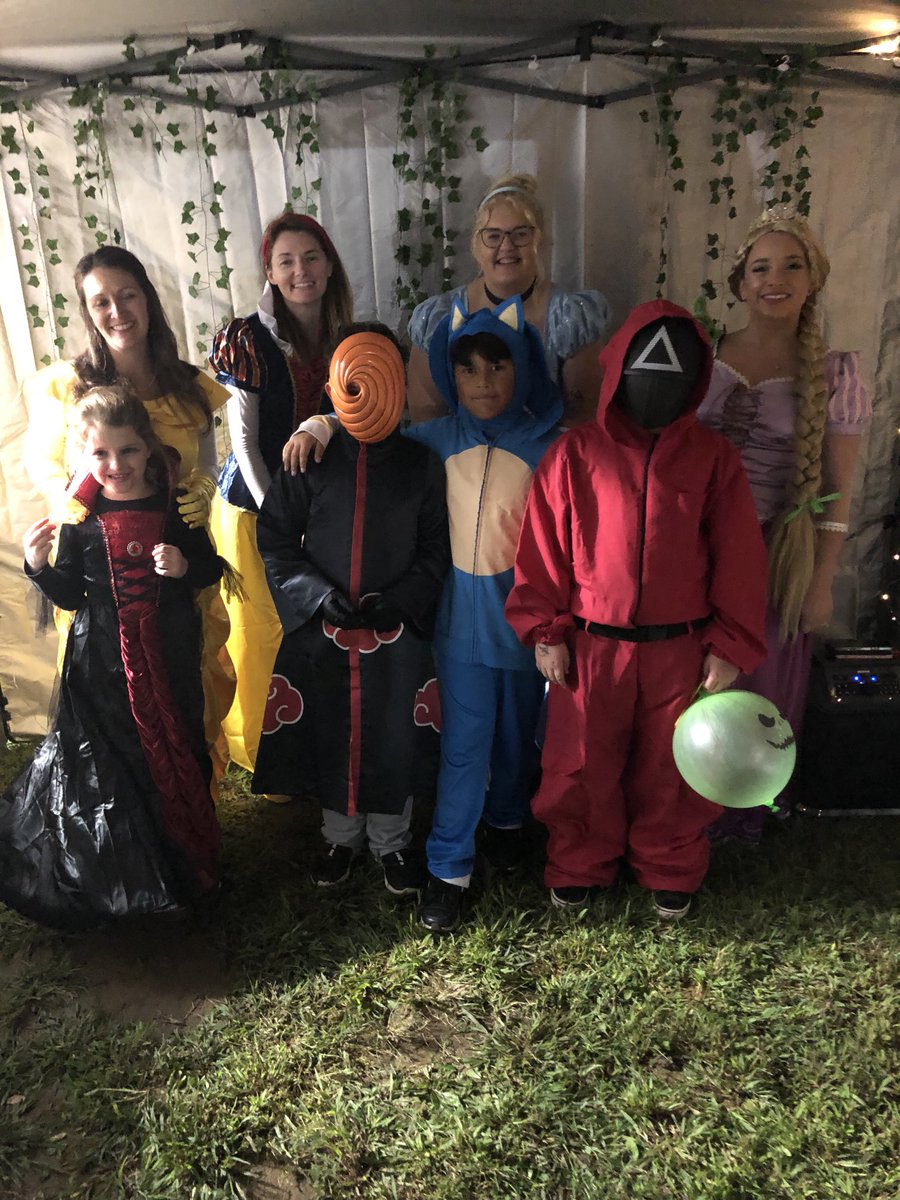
<point>503,848</point>
<point>332,867</point>
<point>570,897</point>
<point>404,872</point>
<point>441,907</point>
<point>671,906</point>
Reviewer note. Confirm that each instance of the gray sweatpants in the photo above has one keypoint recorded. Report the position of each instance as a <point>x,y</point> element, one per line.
<point>385,832</point>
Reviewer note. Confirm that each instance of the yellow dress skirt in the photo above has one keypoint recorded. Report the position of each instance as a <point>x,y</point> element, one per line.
<point>254,634</point>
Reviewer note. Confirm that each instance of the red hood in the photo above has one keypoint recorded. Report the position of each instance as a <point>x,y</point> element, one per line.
<point>612,356</point>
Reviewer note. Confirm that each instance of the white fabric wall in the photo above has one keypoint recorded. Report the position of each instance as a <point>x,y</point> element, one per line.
<point>601,180</point>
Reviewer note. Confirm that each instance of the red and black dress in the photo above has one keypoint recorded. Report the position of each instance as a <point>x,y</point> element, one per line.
<point>113,817</point>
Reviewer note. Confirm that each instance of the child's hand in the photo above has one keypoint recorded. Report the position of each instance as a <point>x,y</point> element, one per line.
<point>37,541</point>
<point>296,451</point>
<point>553,662</point>
<point>718,674</point>
<point>169,561</point>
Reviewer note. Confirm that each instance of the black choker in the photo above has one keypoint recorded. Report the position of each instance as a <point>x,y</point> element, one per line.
<point>525,297</point>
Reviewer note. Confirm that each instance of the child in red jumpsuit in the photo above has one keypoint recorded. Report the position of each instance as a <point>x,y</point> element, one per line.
<point>640,574</point>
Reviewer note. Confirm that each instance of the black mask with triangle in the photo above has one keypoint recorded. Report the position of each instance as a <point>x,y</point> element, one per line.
<point>662,366</point>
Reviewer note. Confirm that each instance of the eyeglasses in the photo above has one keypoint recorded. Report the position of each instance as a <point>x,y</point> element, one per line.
<point>522,235</point>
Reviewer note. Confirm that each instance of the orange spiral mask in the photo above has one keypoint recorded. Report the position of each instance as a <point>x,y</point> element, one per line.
<point>367,386</point>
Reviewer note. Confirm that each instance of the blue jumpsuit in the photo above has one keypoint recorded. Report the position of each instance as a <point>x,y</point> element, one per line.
<point>489,687</point>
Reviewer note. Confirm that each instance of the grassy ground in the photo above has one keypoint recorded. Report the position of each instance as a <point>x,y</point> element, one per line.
<point>301,1045</point>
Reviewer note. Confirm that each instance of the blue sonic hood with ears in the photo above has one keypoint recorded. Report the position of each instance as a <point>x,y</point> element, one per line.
<point>535,393</point>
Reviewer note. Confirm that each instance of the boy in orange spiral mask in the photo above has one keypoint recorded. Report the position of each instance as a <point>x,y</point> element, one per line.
<point>355,552</point>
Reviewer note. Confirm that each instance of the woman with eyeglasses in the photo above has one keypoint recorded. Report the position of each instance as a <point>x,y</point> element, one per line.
<point>507,238</point>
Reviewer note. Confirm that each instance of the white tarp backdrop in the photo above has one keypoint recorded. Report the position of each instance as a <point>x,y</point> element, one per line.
<point>602,178</point>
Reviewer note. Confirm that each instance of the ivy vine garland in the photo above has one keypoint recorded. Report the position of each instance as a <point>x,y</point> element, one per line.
<point>764,101</point>
<point>431,108</point>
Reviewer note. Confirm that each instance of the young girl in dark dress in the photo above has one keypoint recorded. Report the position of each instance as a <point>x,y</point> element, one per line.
<point>114,817</point>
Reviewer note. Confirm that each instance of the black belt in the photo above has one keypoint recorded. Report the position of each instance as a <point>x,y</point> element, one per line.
<point>642,633</point>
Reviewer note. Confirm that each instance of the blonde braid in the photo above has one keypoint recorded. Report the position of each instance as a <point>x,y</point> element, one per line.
<point>792,548</point>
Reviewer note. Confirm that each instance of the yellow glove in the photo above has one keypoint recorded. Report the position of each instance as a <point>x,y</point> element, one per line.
<point>195,501</point>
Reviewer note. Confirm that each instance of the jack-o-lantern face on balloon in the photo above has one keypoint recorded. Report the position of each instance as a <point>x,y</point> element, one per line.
<point>734,748</point>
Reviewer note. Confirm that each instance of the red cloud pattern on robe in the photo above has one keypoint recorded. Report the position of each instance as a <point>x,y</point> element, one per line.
<point>284,705</point>
<point>427,708</point>
<point>365,640</point>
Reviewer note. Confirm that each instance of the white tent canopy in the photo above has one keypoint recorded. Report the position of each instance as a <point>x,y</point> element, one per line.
<point>164,128</point>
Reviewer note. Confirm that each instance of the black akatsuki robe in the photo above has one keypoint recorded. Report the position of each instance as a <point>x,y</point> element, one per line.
<point>349,710</point>
<point>113,817</point>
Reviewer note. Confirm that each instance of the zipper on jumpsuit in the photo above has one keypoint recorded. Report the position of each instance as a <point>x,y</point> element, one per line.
<point>642,535</point>
<point>484,478</point>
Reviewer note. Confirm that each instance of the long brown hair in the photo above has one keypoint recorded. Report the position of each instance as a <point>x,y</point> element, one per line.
<point>95,367</point>
<point>337,303</point>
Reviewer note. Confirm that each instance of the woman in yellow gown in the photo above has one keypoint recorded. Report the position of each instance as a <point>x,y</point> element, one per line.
<point>129,339</point>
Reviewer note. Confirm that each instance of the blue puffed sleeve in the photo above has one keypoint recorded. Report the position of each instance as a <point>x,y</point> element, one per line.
<point>574,320</point>
<point>428,315</point>
<point>235,359</point>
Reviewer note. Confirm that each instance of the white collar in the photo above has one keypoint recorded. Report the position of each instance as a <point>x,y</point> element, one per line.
<point>266,313</point>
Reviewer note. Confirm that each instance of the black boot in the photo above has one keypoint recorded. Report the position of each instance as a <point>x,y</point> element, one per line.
<point>441,907</point>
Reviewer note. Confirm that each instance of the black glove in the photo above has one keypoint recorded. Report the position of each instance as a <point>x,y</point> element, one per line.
<point>337,610</point>
<point>380,613</point>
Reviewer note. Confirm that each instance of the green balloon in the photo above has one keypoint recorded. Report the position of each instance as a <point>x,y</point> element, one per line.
<point>734,748</point>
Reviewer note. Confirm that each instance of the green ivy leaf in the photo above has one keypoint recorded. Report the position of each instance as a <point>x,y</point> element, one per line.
<point>128,104</point>
<point>678,185</point>
<point>8,140</point>
<point>137,130</point>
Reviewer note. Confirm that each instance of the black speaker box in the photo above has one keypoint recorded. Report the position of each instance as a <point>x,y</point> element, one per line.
<point>849,751</point>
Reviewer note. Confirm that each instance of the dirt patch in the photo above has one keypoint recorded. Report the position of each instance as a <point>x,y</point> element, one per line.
<point>268,1182</point>
<point>168,975</point>
<point>421,1036</point>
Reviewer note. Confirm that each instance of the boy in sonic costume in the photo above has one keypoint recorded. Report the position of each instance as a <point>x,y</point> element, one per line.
<point>490,368</point>
<point>355,551</point>
<point>640,574</point>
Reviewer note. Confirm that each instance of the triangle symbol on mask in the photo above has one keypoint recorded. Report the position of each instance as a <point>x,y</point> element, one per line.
<point>659,355</point>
